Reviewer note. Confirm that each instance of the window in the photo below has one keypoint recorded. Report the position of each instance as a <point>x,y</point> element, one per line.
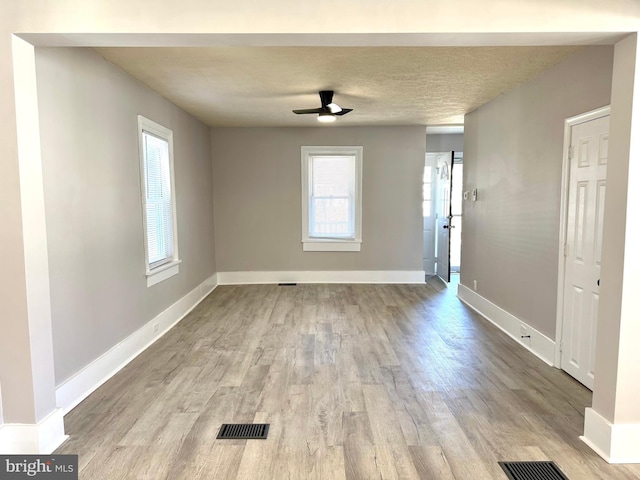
<point>156,169</point>
<point>427,186</point>
<point>331,198</point>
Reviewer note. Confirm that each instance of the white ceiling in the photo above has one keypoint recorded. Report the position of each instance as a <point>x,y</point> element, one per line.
<point>259,86</point>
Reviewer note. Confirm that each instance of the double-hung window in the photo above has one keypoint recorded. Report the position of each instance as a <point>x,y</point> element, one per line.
<point>158,198</point>
<point>331,198</point>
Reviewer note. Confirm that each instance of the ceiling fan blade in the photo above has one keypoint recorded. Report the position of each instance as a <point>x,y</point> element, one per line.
<point>328,108</point>
<point>309,110</point>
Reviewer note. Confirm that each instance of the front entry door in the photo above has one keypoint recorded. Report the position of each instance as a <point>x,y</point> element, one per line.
<point>428,215</point>
<point>443,214</point>
<point>587,182</point>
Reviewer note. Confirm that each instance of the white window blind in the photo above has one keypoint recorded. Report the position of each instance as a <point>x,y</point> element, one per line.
<point>332,200</point>
<point>158,202</point>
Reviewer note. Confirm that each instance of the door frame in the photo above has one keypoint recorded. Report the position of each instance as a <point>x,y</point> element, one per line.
<point>564,212</point>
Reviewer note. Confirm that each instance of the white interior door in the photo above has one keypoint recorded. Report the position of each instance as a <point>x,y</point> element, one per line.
<point>428,215</point>
<point>587,182</point>
<point>443,214</point>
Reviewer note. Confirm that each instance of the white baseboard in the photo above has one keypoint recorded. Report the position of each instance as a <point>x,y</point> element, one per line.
<point>538,344</point>
<point>353,276</point>
<point>77,388</point>
<point>41,438</point>
<point>616,443</point>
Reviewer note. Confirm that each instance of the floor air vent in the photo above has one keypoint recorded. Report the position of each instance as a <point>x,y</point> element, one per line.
<point>243,431</point>
<point>532,471</point>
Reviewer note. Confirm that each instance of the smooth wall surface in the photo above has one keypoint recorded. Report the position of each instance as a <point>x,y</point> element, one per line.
<point>88,118</point>
<point>437,143</point>
<point>513,156</point>
<point>257,198</point>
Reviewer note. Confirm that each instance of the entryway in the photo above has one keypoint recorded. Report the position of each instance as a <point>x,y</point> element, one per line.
<point>442,214</point>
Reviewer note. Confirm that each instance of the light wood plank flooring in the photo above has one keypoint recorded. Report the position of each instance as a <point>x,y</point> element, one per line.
<point>357,382</point>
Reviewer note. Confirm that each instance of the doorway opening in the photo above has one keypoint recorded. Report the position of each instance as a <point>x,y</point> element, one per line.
<point>442,201</point>
<point>442,214</point>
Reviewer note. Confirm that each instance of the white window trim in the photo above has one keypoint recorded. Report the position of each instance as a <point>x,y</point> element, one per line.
<point>314,244</point>
<point>169,268</point>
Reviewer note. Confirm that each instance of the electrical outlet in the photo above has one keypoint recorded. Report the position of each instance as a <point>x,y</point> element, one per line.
<point>475,285</point>
<point>155,327</point>
<point>525,337</point>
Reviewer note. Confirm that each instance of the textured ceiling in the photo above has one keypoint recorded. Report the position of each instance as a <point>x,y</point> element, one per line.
<point>259,86</point>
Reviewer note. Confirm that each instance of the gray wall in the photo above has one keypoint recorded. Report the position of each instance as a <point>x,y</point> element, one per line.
<point>445,142</point>
<point>257,198</point>
<point>88,118</point>
<point>513,156</point>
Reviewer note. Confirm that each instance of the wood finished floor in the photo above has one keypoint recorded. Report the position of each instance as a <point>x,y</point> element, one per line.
<point>357,382</point>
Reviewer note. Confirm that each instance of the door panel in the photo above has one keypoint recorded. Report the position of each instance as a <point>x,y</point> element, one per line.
<point>577,300</point>
<point>443,212</point>
<point>587,186</point>
<point>428,215</point>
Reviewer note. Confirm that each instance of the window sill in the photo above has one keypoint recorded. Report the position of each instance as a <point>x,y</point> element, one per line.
<point>331,246</point>
<point>163,272</point>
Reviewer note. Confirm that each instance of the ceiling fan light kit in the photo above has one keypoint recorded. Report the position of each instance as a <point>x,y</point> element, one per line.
<point>326,117</point>
<point>328,111</point>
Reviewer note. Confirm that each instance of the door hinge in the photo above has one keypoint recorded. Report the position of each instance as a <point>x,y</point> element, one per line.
<point>570,152</point>
<point>566,249</point>
<point>560,347</point>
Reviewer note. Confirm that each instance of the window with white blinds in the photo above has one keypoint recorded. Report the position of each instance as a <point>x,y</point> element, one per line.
<point>156,155</point>
<point>331,197</point>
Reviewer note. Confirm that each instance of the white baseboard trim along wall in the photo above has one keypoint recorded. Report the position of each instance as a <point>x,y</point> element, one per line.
<point>538,344</point>
<point>43,437</point>
<point>77,388</point>
<point>354,276</point>
<point>616,443</point>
